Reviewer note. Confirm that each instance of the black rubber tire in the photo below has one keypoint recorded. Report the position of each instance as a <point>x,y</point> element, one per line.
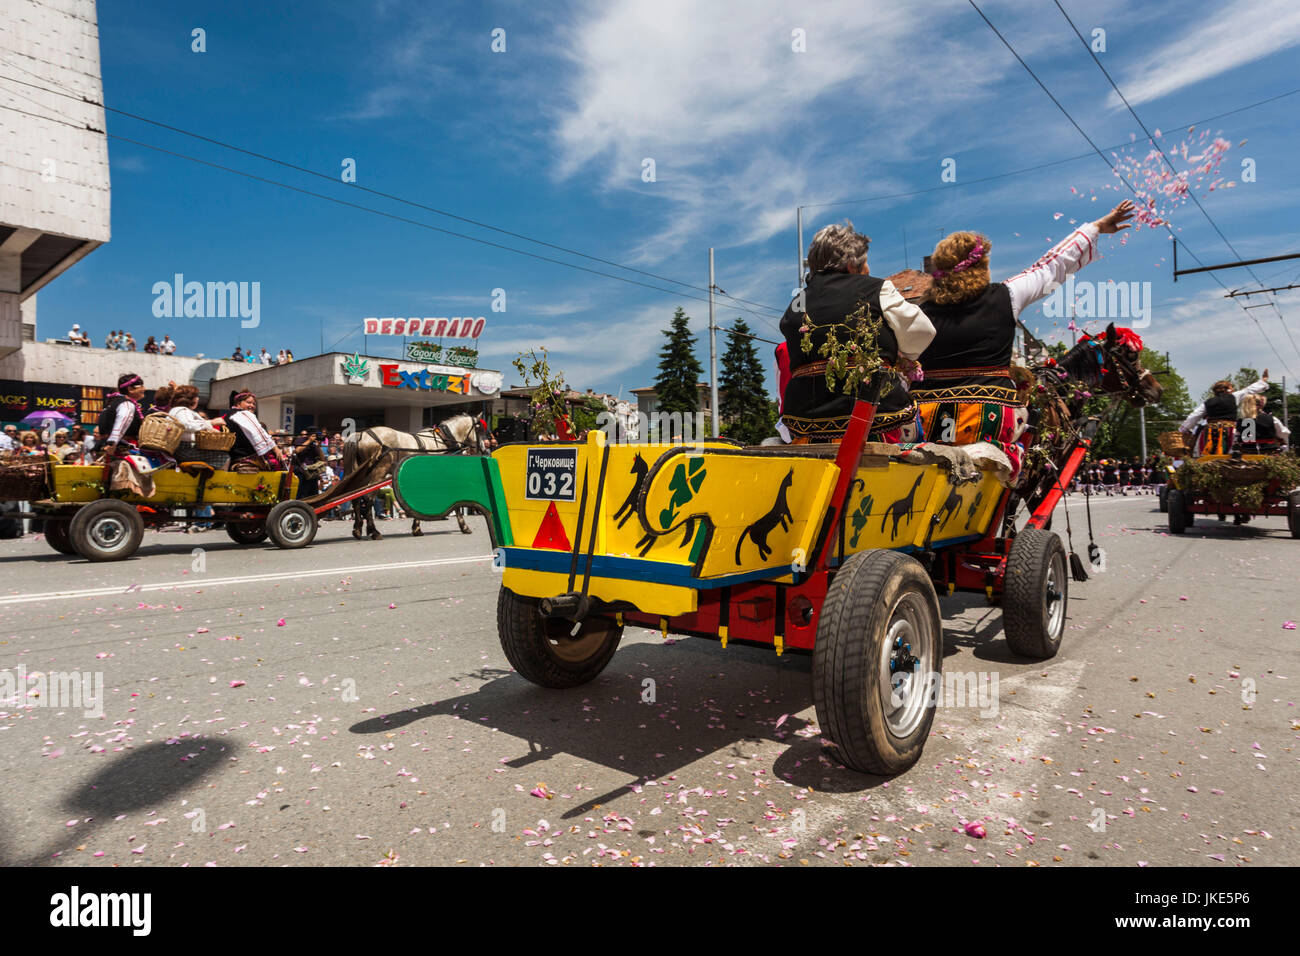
<point>1293,513</point>
<point>292,524</point>
<point>242,532</point>
<point>1037,558</point>
<point>1164,499</point>
<point>1179,518</point>
<point>106,530</point>
<point>869,596</point>
<point>57,536</point>
<point>542,650</point>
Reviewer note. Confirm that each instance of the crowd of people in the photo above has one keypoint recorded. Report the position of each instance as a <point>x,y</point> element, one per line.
<point>283,357</point>
<point>120,340</point>
<point>1118,476</point>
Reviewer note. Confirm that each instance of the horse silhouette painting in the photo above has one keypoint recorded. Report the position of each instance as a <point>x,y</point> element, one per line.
<point>778,514</point>
<point>901,507</point>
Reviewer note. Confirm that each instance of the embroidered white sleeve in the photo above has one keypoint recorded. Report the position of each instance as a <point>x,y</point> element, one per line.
<point>257,435</point>
<point>1282,430</point>
<point>911,326</point>
<point>120,422</point>
<point>1065,258</point>
<point>1193,419</point>
<point>1255,388</point>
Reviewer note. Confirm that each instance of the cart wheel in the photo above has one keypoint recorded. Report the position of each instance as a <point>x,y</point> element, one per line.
<point>879,649</point>
<point>106,530</point>
<point>292,524</point>
<point>1293,513</point>
<point>542,649</point>
<point>1036,593</point>
<point>242,532</point>
<point>1180,519</point>
<point>1164,499</point>
<point>57,537</point>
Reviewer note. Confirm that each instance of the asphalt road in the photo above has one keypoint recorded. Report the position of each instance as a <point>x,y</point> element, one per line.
<point>349,704</point>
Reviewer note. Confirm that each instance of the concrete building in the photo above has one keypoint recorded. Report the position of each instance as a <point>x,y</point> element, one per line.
<point>54,179</point>
<point>316,392</point>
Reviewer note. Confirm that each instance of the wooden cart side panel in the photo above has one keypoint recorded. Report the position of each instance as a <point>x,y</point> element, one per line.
<point>85,483</point>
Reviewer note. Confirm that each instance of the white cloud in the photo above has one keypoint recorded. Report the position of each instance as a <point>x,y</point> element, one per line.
<point>1223,39</point>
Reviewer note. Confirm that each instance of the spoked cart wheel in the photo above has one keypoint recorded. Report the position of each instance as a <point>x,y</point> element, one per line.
<point>106,530</point>
<point>245,532</point>
<point>1293,513</point>
<point>545,651</point>
<point>57,536</point>
<point>292,524</point>
<point>1035,594</point>
<point>878,652</point>
<point>1180,519</point>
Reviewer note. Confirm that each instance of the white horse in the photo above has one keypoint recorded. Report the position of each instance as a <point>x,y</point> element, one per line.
<point>373,454</point>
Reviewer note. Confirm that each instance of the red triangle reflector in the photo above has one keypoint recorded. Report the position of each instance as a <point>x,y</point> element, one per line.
<point>551,534</point>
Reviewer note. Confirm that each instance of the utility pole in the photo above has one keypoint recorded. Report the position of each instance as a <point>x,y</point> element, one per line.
<point>1142,423</point>
<point>713,354</point>
<point>1285,418</point>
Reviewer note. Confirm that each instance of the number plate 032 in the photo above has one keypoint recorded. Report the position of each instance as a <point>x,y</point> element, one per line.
<point>552,474</point>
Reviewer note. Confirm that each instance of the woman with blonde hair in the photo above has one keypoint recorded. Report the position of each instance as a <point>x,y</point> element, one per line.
<point>968,394</point>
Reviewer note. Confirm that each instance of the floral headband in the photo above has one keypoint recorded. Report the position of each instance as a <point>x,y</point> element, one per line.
<point>975,256</point>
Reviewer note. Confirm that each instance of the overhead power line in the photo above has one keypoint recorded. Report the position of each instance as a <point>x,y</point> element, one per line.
<point>1152,140</point>
<point>1106,160</point>
<point>380,193</point>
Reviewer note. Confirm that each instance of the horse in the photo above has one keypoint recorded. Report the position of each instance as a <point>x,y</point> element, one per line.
<point>374,454</point>
<point>1106,364</point>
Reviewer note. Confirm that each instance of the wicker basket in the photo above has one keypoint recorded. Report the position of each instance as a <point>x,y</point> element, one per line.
<point>23,482</point>
<point>220,440</point>
<point>219,460</point>
<point>1174,444</point>
<point>161,432</point>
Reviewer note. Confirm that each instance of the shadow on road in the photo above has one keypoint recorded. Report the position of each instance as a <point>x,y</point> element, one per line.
<point>136,780</point>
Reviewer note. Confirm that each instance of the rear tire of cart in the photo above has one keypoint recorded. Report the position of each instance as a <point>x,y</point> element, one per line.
<point>292,524</point>
<point>879,647</point>
<point>543,650</point>
<point>57,536</point>
<point>1035,594</point>
<point>1293,513</point>
<point>106,530</point>
<point>1180,519</point>
<point>1164,499</point>
<point>245,532</point>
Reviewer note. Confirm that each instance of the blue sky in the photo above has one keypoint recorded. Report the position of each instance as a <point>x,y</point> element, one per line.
<point>548,139</point>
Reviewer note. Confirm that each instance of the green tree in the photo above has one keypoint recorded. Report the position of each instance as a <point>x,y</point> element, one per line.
<point>679,369</point>
<point>586,412</point>
<point>746,410</point>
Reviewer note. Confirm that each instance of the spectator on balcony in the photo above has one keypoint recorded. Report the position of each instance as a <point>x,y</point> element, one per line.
<point>75,335</point>
<point>130,342</point>
<point>280,358</point>
<point>151,346</point>
<point>265,357</point>
<point>168,346</point>
<point>288,355</point>
<point>238,355</point>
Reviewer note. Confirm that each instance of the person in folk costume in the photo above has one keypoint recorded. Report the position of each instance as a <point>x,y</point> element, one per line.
<point>254,448</point>
<point>838,286</point>
<point>1259,432</point>
<point>184,403</point>
<point>119,422</point>
<point>1214,421</point>
<point>968,394</point>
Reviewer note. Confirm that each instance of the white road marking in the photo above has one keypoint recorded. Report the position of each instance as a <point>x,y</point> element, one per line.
<point>197,583</point>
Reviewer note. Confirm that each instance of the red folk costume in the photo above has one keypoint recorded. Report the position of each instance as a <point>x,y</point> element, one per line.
<point>968,394</point>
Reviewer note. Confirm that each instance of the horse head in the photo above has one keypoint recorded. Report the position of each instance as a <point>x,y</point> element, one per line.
<point>468,432</point>
<point>1112,363</point>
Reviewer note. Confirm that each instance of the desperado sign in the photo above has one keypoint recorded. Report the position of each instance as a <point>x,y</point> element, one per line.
<point>459,327</point>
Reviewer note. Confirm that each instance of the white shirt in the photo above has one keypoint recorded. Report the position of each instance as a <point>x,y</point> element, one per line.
<point>120,423</point>
<point>912,327</point>
<point>74,335</point>
<point>265,357</point>
<point>168,346</point>
<point>1198,415</point>
<point>7,443</point>
<point>1065,258</point>
<point>247,423</point>
<point>191,421</point>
